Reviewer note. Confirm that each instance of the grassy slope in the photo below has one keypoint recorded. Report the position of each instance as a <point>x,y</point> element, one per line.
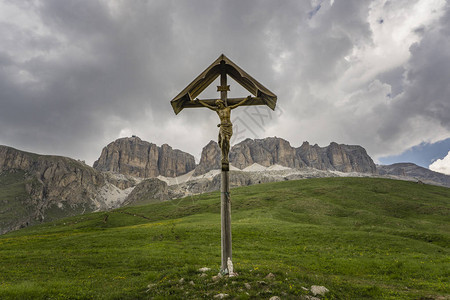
<point>361,238</point>
<point>13,198</point>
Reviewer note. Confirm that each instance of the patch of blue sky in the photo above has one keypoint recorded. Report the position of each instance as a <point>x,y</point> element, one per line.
<point>314,11</point>
<point>422,155</point>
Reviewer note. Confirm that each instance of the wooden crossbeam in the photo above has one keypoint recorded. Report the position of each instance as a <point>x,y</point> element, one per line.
<point>230,101</point>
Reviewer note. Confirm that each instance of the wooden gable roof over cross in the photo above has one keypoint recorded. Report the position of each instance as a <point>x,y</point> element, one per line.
<point>223,64</point>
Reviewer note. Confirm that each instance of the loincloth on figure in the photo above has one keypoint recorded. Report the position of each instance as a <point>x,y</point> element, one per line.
<point>226,131</point>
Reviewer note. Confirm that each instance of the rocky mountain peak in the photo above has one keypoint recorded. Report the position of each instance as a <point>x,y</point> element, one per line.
<point>266,152</point>
<point>134,157</point>
<point>277,151</point>
<point>339,157</point>
<point>210,159</point>
<point>305,144</point>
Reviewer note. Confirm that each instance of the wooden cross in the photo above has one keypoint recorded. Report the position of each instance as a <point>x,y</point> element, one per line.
<point>223,106</point>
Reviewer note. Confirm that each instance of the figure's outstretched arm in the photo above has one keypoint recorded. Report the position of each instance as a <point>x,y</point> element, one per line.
<point>240,103</point>
<point>205,104</point>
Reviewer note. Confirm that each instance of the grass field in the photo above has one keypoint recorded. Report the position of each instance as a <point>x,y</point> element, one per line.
<point>361,238</point>
<point>12,188</point>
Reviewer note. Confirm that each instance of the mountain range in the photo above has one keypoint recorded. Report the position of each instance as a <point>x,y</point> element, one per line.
<point>132,156</point>
<point>36,188</point>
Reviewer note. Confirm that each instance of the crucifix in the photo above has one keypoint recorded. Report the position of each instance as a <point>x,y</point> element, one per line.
<point>226,127</point>
<point>224,67</point>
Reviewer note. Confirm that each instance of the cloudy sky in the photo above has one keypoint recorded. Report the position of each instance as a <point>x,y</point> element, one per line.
<point>76,75</point>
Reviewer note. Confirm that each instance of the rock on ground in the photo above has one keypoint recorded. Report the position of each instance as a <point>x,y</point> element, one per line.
<point>204,269</point>
<point>319,290</point>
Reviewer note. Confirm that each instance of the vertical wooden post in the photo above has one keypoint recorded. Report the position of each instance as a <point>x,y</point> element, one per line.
<point>225,210</point>
<point>223,84</point>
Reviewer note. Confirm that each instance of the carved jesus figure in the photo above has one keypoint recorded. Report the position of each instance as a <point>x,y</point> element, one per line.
<point>226,127</point>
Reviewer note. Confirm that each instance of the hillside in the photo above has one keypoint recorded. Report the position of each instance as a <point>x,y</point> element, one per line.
<point>36,188</point>
<point>362,238</point>
<point>410,170</point>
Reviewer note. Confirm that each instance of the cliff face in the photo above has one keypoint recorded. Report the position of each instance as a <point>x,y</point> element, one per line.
<point>339,157</point>
<point>210,159</point>
<point>45,188</point>
<point>266,152</point>
<point>271,151</point>
<point>172,163</point>
<point>134,157</point>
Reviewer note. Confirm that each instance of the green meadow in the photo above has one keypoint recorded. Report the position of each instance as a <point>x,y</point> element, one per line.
<point>361,238</point>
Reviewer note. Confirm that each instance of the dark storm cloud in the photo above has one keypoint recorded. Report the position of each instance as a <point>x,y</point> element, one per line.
<point>101,67</point>
<point>426,90</point>
<point>96,64</point>
<point>74,75</point>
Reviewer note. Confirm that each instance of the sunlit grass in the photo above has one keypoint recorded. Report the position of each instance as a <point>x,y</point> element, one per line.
<point>361,238</point>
